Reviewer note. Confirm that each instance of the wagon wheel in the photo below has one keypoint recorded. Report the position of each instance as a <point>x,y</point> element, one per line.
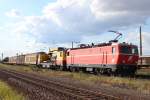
<point>61,68</point>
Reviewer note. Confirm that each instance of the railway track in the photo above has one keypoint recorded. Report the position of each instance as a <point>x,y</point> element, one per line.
<point>47,87</point>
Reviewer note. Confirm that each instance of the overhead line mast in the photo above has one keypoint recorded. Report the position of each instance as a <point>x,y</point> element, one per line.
<point>141,53</point>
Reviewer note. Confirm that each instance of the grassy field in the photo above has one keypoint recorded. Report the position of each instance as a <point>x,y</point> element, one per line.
<point>145,71</point>
<point>7,93</point>
<point>129,83</point>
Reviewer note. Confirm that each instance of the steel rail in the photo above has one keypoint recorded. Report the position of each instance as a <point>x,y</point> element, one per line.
<point>68,90</point>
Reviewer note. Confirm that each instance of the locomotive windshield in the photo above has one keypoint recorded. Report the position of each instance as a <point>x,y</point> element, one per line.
<point>134,50</point>
<point>129,50</point>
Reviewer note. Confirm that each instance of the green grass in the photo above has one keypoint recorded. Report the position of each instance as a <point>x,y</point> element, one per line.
<point>145,71</point>
<point>7,93</point>
<point>131,83</point>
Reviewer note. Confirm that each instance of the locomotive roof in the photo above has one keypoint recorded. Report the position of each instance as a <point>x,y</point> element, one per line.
<point>102,44</point>
<point>127,44</point>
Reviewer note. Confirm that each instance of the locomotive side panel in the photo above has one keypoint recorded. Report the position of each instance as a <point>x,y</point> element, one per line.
<point>106,58</point>
<point>96,56</point>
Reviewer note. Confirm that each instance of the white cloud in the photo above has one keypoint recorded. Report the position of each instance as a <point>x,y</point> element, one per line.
<point>64,21</point>
<point>89,16</point>
<point>13,13</point>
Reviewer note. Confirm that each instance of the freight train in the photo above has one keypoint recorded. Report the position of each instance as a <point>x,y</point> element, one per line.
<point>26,59</point>
<point>112,57</point>
<point>106,58</point>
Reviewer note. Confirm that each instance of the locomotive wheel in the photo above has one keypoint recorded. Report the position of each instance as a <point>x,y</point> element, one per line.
<point>101,71</point>
<point>96,71</point>
<point>77,69</point>
<point>72,69</point>
<point>109,72</point>
<point>83,70</point>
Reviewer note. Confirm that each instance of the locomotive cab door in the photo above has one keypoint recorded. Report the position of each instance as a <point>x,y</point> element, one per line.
<point>104,59</point>
<point>72,59</point>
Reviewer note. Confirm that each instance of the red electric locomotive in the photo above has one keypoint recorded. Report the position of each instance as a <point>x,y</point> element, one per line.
<point>112,57</point>
<point>104,58</point>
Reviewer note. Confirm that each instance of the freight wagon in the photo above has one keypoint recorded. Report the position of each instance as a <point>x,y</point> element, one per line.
<point>12,60</point>
<point>144,61</point>
<point>20,59</point>
<point>36,58</point>
<point>32,58</point>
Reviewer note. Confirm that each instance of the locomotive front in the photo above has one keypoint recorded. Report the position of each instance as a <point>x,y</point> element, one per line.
<point>127,58</point>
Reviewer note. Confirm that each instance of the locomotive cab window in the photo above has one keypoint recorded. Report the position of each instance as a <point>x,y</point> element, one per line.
<point>125,50</point>
<point>134,51</point>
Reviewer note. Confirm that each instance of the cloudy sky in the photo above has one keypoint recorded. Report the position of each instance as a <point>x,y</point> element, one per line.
<point>36,25</point>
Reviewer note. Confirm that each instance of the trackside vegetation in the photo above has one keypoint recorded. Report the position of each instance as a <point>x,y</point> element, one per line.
<point>7,93</point>
<point>142,85</point>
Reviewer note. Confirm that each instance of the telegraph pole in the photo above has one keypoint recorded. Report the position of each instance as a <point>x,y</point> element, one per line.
<point>72,44</point>
<point>141,43</point>
<point>2,56</point>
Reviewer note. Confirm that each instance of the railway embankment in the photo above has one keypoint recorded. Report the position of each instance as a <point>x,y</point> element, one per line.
<point>126,88</point>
